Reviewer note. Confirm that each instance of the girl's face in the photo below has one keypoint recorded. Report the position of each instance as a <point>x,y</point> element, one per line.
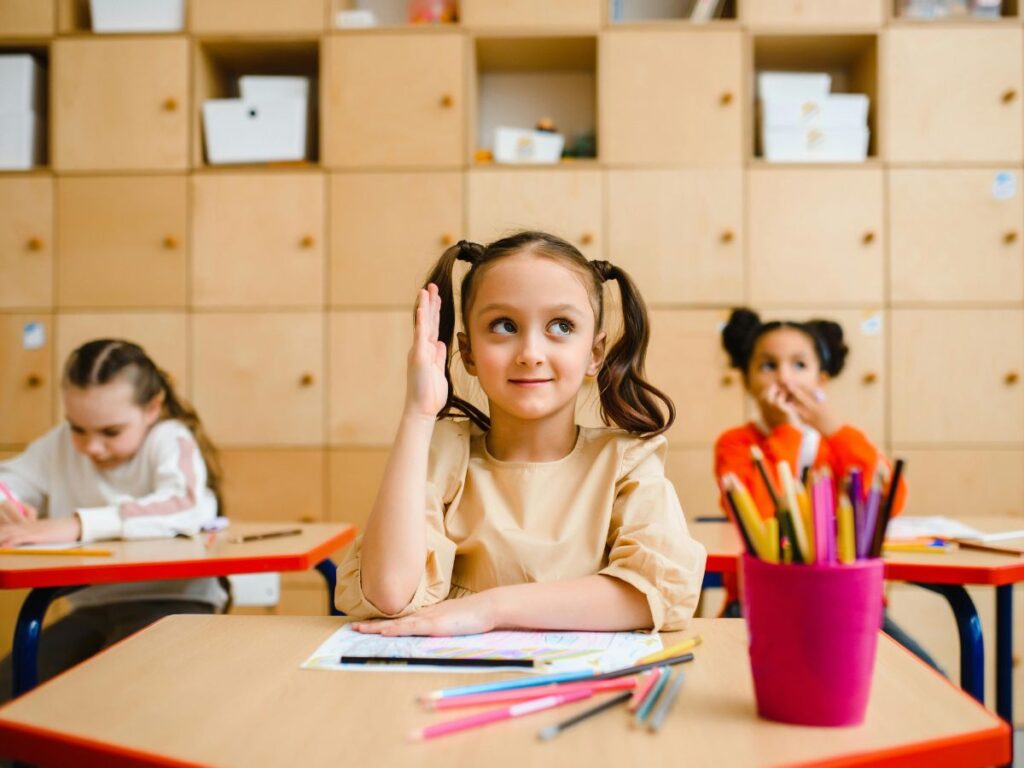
<point>106,423</point>
<point>784,357</point>
<point>530,337</point>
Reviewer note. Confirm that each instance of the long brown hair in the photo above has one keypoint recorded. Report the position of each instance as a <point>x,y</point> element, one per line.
<point>102,360</point>
<point>628,400</point>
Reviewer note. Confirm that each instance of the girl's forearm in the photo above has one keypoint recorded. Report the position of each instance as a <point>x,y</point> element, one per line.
<point>394,543</point>
<point>591,603</point>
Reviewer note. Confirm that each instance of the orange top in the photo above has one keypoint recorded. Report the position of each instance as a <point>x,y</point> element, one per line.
<point>842,451</point>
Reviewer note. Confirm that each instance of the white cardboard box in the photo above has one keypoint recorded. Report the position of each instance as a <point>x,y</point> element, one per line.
<point>21,84</point>
<point>21,140</point>
<point>793,85</point>
<point>517,145</point>
<point>836,110</point>
<point>273,86</point>
<point>815,145</point>
<point>254,130</point>
<point>137,15</point>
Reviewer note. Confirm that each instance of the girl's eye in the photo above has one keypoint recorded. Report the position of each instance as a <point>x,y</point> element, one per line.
<point>799,365</point>
<point>767,365</point>
<point>503,327</point>
<point>111,432</point>
<point>78,430</point>
<point>560,327</point>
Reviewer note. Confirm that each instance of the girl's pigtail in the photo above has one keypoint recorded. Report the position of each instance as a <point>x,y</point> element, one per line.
<point>830,336</point>
<point>627,399</point>
<point>738,336</point>
<point>441,276</point>
<point>175,407</point>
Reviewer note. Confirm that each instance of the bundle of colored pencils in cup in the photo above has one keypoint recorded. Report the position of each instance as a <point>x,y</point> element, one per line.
<point>812,521</point>
<point>641,685</point>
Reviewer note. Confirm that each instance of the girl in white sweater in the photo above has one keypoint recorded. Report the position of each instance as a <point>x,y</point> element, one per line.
<point>130,461</point>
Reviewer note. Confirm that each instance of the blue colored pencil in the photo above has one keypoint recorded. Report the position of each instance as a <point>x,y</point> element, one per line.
<point>648,704</point>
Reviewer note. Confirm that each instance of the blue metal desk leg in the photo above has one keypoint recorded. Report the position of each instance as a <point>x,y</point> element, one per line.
<point>972,644</point>
<point>329,571</point>
<point>1004,652</point>
<point>25,653</point>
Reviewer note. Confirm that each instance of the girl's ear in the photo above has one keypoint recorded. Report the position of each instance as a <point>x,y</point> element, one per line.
<point>597,351</point>
<point>466,353</point>
<point>151,410</point>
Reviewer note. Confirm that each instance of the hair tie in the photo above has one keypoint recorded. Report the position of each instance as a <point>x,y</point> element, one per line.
<point>603,268</point>
<point>468,252</point>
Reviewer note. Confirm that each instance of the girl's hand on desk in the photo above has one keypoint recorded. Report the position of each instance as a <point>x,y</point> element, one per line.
<point>9,512</point>
<point>426,385</point>
<point>812,407</point>
<point>464,616</point>
<point>56,531</point>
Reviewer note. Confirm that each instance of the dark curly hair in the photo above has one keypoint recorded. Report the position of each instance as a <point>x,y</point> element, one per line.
<point>740,335</point>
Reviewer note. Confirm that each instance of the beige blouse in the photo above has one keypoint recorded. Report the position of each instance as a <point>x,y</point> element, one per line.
<point>605,508</point>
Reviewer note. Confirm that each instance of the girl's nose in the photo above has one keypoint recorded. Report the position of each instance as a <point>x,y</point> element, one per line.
<point>529,351</point>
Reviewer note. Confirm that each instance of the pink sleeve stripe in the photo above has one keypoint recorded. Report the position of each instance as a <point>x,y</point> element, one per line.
<point>174,504</point>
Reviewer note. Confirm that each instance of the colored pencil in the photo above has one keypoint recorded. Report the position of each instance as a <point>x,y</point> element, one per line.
<point>666,703</point>
<point>772,540</point>
<point>673,650</point>
<point>72,552</point>
<point>796,518</point>
<point>855,490</point>
<point>910,546</point>
<point>980,547</point>
<point>844,531</point>
<point>762,470</point>
<point>503,713</point>
<point>886,511</point>
<point>416,661</point>
<point>747,513</point>
<point>525,694</point>
<point>553,730</point>
<point>652,696</point>
<point>804,501</point>
<point>642,689</point>
<point>9,495</point>
<point>871,513</point>
<point>267,535</point>
<point>748,544</point>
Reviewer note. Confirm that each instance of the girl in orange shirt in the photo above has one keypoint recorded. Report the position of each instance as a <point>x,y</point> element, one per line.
<point>786,367</point>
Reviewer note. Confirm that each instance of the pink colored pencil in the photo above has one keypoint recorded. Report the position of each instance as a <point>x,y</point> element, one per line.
<point>9,495</point>
<point>526,694</point>
<point>820,533</point>
<point>495,715</point>
<point>643,689</point>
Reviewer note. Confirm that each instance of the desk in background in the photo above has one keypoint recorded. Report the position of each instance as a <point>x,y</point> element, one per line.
<point>51,576</point>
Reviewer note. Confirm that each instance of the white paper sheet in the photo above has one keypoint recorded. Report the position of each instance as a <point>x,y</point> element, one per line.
<point>909,527</point>
<point>559,651</point>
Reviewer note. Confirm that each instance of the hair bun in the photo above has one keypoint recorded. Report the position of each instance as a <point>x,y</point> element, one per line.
<point>737,333</point>
<point>603,268</point>
<point>468,251</point>
<point>831,335</point>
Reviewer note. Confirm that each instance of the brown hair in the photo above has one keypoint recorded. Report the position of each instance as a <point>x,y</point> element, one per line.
<point>101,361</point>
<point>628,400</point>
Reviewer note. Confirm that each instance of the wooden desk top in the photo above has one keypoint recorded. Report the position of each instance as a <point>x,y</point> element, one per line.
<point>228,691</point>
<point>961,567</point>
<point>181,558</point>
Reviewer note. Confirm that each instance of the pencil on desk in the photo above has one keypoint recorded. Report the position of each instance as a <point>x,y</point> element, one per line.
<point>642,689</point>
<point>417,661</point>
<point>980,547</point>
<point>267,535</point>
<point>673,650</point>
<point>666,703</point>
<point>48,552</point>
<point>525,694</point>
<point>652,696</point>
<point>553,730</point>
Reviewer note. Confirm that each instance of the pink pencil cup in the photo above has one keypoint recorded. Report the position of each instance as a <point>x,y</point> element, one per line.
<point>813,635</point>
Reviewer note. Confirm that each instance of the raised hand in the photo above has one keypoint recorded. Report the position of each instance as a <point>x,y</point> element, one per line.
<point>426,386</point>
<point>813,409</point>
<point>777,407</point>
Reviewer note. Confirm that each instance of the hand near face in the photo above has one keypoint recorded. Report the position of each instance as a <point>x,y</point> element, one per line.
<point>777,407</point>
<point>812,408</point>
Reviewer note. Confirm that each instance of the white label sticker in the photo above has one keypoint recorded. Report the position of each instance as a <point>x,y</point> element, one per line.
<point>871,325</point>
<point>33,336</point>
<point>1004,185</point>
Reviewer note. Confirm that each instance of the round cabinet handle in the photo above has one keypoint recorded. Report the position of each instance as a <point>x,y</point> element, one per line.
<point>869,237</point>
<point>869,377</point>
<point>1009,95</point>
<point>170,242</point>
<point>307,241</point>
<point>447,100</point>
<point>725,99</point>
<point>1011,378</point>
<point>447,239</point>
<point>586,238</point>
<point>35,244</point>
<point>170,104</point>
<point>727,380</point>
<point>307,519</point>
<point>727,236</point>
<point>34,381</point>
<point>1010,237</point>
<point>306,379</point>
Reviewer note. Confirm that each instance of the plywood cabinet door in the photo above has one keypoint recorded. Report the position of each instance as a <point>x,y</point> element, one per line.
<point>120,104</point>
<point>26,242</point>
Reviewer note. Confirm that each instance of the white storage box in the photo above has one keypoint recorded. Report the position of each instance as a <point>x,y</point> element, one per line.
<point>21,140</point>
<point>793,85</point>
<point>273,86</point>
<point>21,84</point>
<point>816,145</point>
<point>254,130</point>
<point>836,110</point>
<point>137,15</point>
<point>516,145</point>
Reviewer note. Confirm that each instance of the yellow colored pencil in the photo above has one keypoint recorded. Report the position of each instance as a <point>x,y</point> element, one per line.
<point>844,530</point>
<point>796,515</point>
<point>751,518</point>
<point>65,552</point>
<point>804,502</point>
<point>924,549</point>
<point>672,650</point>
<point>771,527</point>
